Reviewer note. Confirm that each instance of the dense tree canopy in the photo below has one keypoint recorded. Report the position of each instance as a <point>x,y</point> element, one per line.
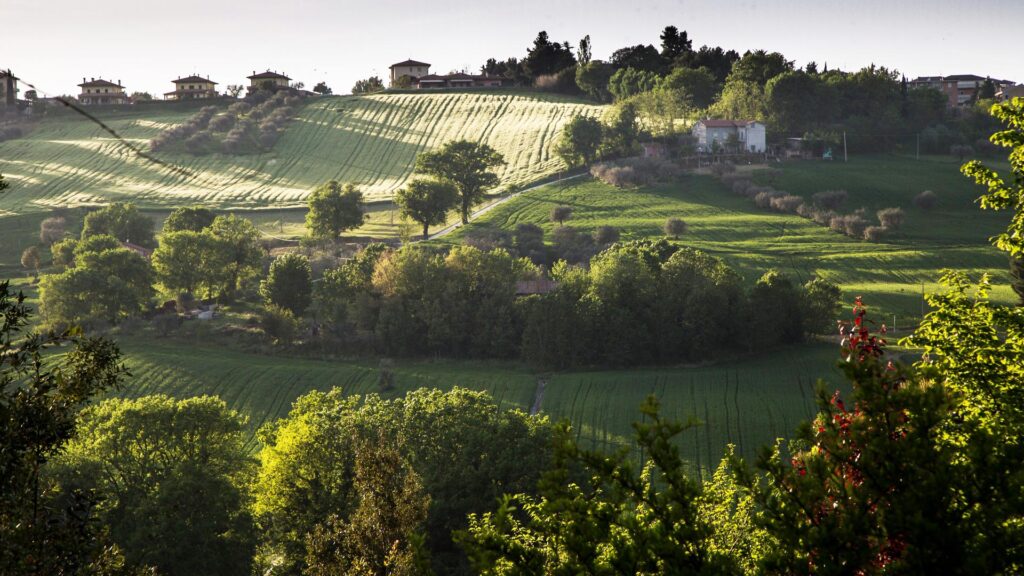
<point>289,283</point>
<point>122,221</point>
<point>193,218</point>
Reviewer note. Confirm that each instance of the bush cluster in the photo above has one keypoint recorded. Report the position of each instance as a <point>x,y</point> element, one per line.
<point>635,172</point>
<point>823,207</point>
<point>249,126</point>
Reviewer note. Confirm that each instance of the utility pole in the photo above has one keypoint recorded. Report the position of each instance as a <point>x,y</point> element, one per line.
<point>846,157</point>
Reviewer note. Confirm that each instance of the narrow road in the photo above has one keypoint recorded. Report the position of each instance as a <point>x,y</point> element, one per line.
<point>451,228</point>
<point>538,396</point>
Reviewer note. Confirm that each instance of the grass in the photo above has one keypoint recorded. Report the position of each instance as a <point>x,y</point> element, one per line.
<point>748,402</point>
<point>370,140</point>
<point>891,275</point>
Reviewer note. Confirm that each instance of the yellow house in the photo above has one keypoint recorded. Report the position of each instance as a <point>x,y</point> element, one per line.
<point>267,79</point>
<point>101,92</point>
<point>410,68</point>
<point>192,88</point>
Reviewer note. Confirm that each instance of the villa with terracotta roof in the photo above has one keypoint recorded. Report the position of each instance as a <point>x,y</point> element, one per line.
<point>747,135</point>
<point>99,92</point>
<point>413,69</point>
<point>192,88</point>
<point>264,79</point>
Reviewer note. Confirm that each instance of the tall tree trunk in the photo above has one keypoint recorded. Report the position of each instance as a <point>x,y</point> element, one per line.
<point>426,229</point>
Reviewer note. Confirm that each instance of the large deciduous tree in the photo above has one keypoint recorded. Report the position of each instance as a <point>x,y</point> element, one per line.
<point>193,218</point>
<point>123,221</point>
<point>467,165</point>
<point>46,528</point>
<point>427,201</point>
<point>335,208</point>
<point>580,141</point>
<point>289,283</point>
<point>173,476</point>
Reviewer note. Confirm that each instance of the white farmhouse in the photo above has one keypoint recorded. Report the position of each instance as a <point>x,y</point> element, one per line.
<point>741,135</point>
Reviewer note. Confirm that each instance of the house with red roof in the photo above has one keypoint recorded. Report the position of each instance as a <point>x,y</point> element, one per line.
<point>100,92</point>
<point>412,69</point>
<point>267,80</point>
<point>730,135</point>
<point>192,88</point>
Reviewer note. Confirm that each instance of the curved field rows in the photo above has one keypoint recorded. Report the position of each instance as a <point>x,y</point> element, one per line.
<point>264,387</point>
<point>371,140</point>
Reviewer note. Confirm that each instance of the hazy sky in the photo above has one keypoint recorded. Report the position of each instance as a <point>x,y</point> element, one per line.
<point>146,44</point>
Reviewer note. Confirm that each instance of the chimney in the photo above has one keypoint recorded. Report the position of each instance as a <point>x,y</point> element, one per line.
<point>83,79</point>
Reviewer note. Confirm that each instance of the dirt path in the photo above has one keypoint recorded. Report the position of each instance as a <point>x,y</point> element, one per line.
<point>449,229</point>
<point>538,396</point>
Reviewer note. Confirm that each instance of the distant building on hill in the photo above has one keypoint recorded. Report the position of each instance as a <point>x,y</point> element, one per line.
<point>959,89</point>
<point>192,88</point>
<point>743,135</point>
<point>8,89</point>
<point>457,80</point>
<point>101,92</point>
<point>268,79</point>
<point>411,69</point>
<point>1010,93</point>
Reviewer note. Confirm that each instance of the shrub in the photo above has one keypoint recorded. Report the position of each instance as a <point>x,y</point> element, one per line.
<point>764,199</point>
<point>487,239</point>
<point>891,218</point>
<point>223,123</point>
<point>560,214</point>
<point>605,235</point>
<point>571,246</point>
<point>240,108</point>
<point>675,227</point>
<point>822,217</point>
<point>925,200</point>
<point>740,187</point>
<point>875,233</point>
<point>722,168</point>
<point>830,199</point>
<point>279,324</point>
<point>52,230</point>
<point>268,138</point>
<point>787,203</point>
<point>852,225</point>
<point>199,143</point>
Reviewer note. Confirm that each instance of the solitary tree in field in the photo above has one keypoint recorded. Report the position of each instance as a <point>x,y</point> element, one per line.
<point>30,259</point>
<point>580,141</point>
<point>675,227</point>
<point>467,165</point>
<point>427,201</point>
<point>234,90</point>
<point>323,89</point>
<point>3,183</point>
<point>52,230</point>
<point>333,209</point>
<point>560,214</point>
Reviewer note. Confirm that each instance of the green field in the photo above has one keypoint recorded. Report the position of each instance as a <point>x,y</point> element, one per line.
<point>890,275</point>
<point>748,402</point>
<point>371,140</point>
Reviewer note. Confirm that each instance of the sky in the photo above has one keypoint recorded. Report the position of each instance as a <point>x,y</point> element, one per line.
<point>145,44</point>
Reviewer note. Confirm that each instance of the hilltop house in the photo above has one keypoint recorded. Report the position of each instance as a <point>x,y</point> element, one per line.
<point>101,92</point>
<point>192,88</point>
<point>410,68</point>
<point>8,89</point>
<point>1010,92</point>
<point>742,135</point>
<point>267,79</point>
<point>456,80</point>
<point>959,89</point>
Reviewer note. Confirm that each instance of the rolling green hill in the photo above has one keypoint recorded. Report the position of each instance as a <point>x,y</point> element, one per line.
<point>890,274</point>
<point>372,140</point>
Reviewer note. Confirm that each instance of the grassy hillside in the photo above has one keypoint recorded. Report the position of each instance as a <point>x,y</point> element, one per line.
<point>748,402</point>
<point>371,140</point>
<point>890,274</point>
